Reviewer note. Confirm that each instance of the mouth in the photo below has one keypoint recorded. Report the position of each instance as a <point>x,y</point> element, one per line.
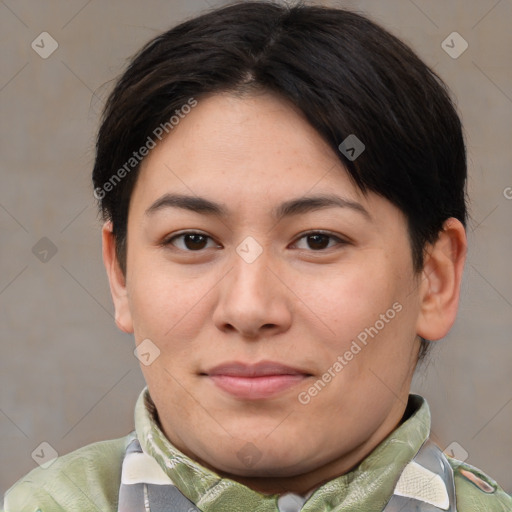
<point>255,381</point>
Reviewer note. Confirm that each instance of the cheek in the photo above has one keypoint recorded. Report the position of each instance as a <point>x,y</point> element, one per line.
<point>349,300</point>
<point>168,306</point>
<point>367,318</point>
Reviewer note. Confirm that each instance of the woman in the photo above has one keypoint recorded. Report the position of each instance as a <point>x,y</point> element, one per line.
<point>283,190</point>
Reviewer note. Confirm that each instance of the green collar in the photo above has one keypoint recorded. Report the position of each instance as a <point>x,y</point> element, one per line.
<point>377,474</point>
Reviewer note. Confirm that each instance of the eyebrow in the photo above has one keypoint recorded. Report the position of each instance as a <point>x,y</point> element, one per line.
<point>288,208</point>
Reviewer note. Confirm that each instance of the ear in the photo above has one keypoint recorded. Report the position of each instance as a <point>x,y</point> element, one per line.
<point>441,280</point>
<point>117,281</point>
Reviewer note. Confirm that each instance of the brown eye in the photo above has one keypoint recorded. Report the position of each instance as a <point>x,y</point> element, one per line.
<point>194,242</point>
<point>318,241</point>
<point>190,241</point>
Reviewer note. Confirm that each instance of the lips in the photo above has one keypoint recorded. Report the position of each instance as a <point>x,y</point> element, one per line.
<point>255,381</point>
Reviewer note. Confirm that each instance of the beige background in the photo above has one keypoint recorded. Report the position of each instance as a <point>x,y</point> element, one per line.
<point>68,376</point>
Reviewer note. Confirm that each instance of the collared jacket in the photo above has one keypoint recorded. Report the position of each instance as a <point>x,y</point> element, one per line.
<point>89,479</point>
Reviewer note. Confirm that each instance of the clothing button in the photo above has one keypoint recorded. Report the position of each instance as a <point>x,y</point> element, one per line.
<point>290,502</point>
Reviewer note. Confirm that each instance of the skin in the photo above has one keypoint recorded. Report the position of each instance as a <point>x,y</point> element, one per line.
<point>295,303</point>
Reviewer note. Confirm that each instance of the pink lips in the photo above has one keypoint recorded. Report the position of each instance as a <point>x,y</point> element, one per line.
<point>255,381</point>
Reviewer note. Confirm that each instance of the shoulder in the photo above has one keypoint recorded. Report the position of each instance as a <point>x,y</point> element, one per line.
<point>85,479</point>
<point>476,491</point>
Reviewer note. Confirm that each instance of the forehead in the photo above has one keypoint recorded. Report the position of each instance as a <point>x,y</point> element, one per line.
<point>258,143</point>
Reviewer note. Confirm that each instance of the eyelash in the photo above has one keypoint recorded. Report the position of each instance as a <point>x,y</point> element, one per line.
<point>168,241</point>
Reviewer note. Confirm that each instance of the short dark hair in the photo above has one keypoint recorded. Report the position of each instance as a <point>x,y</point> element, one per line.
<point>345,73</point>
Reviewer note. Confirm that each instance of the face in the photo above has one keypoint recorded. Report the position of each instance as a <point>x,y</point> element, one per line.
<point>286,325</point>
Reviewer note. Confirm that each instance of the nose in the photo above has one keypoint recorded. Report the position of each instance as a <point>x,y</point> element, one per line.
<point>252,299</point>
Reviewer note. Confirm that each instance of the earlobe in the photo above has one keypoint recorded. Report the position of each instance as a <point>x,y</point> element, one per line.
<point>441,280</point>
<point>117,281</point>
